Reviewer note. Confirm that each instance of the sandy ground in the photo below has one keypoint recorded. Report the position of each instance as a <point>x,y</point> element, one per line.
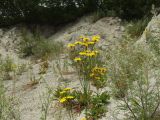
<point>30,98</point>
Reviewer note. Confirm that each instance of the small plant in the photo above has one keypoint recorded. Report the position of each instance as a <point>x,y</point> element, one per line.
<point>65,96</point>
<point>97,107</point>
<point>44,67</point>
<point>8,65</point>
<point>98,77</point>
<point>8,68</point>
<point>21,68</point>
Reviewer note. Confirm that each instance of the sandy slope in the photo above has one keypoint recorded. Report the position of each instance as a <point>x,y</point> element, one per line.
<point>30,97</point>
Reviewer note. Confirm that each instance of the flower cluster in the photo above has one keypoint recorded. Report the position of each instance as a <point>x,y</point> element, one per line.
<point>86,59</point>
<point>85,41</point>
<point>83,48</point>
<point>97,76</point>
<point>88,53</point>
<point>97,73</point>
<point>65,95</point>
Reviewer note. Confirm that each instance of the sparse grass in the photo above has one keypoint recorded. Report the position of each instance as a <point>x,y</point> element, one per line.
<point>135,28</point>
<point>8,111</point>
<point>124,61</point>
<point>37,46</point>
<point>134,78</point>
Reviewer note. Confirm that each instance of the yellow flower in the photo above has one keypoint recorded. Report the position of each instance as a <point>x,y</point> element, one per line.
<point>97,78</point>
<point>90,43</point>
<point>88,53</point>
<point>78,43</point>
<point>81,37</point>
<point>71,45</point>
<point>83,118</point>
<point>77,59</point>
<point>67,89</point>
<point>62,92</point>
<point>63,100</point>
<point>84,44</point>
<point>103,70</point>
<point>99,70</point>
<point>82,53</point>
<point>85,39</point>
<point>91,54</point>
<point>70,97</point>
<point>96,38</point>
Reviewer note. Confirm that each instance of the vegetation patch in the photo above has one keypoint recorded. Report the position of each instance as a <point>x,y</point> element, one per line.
<point>38,47</point>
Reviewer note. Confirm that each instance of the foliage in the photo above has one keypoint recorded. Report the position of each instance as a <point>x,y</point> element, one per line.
<point>62,11</point>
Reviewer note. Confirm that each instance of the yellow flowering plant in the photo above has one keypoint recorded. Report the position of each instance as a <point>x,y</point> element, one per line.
<point>98,77</point>
<point>86,58</point>
<point>64,96</point>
